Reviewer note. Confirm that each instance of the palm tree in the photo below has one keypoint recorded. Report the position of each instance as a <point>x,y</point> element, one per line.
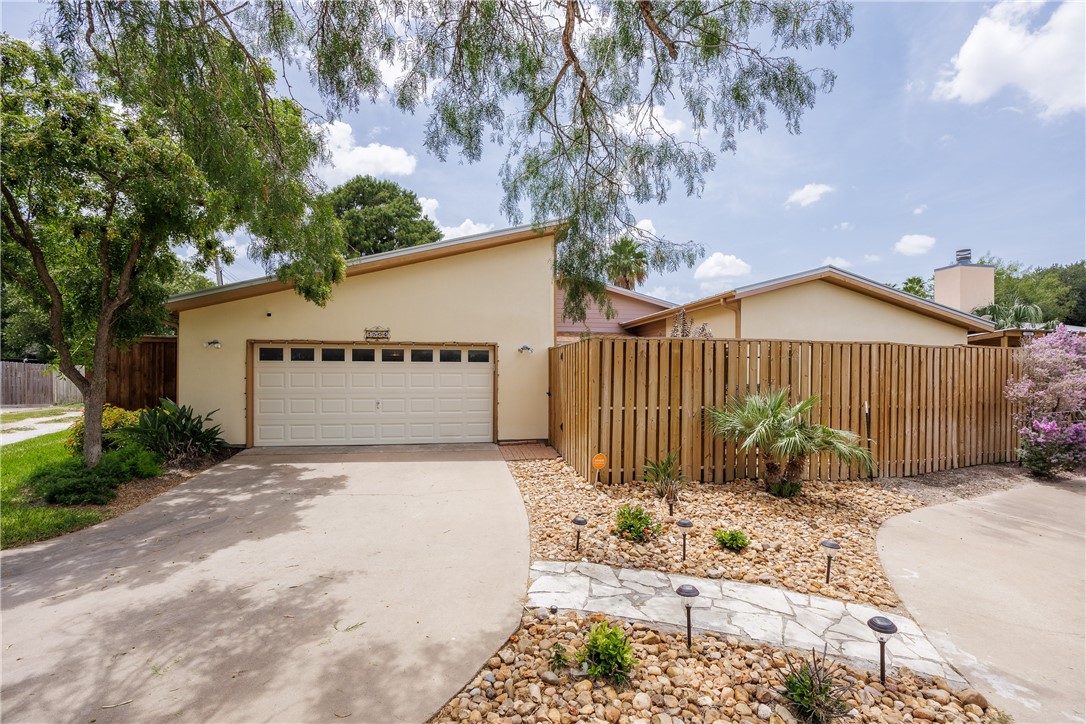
<point>1014,315</point>
<point>628,264</point>
<point>784,435</point>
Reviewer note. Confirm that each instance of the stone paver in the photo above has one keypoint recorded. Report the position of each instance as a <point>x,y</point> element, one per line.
<point>758,613</point>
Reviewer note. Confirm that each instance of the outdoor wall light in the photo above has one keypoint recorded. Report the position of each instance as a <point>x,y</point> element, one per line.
<point>884,628</point>
<point>578,525</point>
<point>684,526</point>
<point>525,348</point>
<point>213,343</point>
<point>831,550</point>
<point>688,593</point>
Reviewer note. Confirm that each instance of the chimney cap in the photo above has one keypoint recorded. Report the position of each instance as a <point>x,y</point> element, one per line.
<point>963,256</point>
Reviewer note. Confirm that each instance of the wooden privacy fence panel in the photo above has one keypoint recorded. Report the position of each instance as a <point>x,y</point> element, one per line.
<point>26,383</point>
<point>923,409</point>
<point>143,374</point>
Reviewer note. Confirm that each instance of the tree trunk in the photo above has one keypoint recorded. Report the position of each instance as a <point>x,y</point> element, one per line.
<point>793,471</point>
<point>772,472</point>
<point>94,397</point>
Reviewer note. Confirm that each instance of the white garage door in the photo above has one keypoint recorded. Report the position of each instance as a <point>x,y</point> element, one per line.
<point>372,395</point>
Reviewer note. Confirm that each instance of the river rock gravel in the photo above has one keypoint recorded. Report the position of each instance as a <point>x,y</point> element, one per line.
<point>785,534</point>
<point>719,679</point>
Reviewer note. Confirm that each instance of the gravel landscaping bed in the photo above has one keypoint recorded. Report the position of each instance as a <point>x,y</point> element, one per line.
<point>785,533</point>
<point>719,679</point>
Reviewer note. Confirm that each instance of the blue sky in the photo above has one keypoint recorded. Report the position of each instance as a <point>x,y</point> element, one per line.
<point>951,125</point>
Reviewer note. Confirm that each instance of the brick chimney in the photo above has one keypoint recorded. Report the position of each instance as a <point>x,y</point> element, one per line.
<point>965,285</point>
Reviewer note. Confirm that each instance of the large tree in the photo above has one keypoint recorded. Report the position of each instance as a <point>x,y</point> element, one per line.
<point>380,216</point>
<point>628,264</point>
<point>576,90</point>
<point>1058,290</point>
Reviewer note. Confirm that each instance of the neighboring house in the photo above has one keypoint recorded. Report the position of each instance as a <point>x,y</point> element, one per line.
<point>469,323</point>
<point>446,342</point>
<point>824,304</point>
<point>626,304</point>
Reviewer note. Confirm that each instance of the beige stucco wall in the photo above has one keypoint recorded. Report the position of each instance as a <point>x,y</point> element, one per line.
<point>720,319</point>
<point>965,286</point>
<point>503,296</point>
<point>821,311</point>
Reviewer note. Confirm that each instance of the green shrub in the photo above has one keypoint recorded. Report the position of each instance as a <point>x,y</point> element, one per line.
<point>733,540</point>
<point>558,659</point>
<point>634,523</point>
<point>786,488</point>
<point>174,432</point>
<point>666,478</point>
<point>113,418</point>
<point>71,482</point>
<point>814,693</point>
<point>607,654</point>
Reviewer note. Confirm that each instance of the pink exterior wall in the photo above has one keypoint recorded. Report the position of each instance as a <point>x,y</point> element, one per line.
<point>626,308</point>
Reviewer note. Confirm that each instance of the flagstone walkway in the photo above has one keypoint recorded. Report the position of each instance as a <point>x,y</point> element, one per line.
<point>760,613</point>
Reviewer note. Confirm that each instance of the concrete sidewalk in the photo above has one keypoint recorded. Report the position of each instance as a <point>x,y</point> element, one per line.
<point>361,584</point>
<point>999,585</point>
<point>759,613</point>
<point>38,427</point>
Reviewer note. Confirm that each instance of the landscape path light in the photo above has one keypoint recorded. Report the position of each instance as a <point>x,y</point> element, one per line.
<point>684,526</point>
<point>578,525</point>
<point>884,628</point>
<point>688,593</point>
<point>832,548</point>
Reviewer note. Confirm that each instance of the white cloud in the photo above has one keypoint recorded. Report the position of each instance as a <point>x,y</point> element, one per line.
<point>718,269</point>
<point>671,294</point>
<point>843,226</point>
<point>637,118</point>
<point>348,159</point>
<point>1047,63</point>
<point>429,207</point>
<point>871,258</point>
<point>466,228</point>
<point>914,244</point>
<point>838,261</point>
<point>920,209</point>
<point>808,194</point>
<point>647,225</point>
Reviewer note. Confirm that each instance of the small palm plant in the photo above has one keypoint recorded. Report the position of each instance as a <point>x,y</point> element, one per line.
<point>784,435</point>
<point>666,478</point>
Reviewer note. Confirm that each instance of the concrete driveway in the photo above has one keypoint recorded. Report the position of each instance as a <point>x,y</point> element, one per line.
<point>998,583</point>
<point>302,584</point>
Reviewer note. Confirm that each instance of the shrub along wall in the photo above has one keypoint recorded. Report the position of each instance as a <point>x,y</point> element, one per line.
<point>923,408</point>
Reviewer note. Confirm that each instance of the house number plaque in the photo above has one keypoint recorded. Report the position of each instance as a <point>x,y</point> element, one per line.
<point>376,333</point>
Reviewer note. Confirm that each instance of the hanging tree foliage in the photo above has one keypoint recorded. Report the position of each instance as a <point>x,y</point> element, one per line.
<point>574,90</point>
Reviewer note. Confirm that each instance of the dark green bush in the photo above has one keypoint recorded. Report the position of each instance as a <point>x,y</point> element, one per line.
<point>607,654</point>
<point>733,540</point>
<point>634,523</point>
<point>113,418</point>
<point>175,432</point>
<point>815,695</point>
<point>71,482</point>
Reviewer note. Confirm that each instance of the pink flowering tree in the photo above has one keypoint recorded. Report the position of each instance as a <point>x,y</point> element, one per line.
<point>1051,398</point>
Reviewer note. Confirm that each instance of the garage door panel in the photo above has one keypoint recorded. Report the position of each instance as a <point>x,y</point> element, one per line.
<point>365,395</point>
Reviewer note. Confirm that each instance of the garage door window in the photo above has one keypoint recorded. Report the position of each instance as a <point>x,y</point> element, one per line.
<point>271,354</point>
<point>450,355</point>
<point>392,355</point>
<point>422,355</point>
<point>478,355</point>
<point>302,354</point>
<point>333,355</point>
<point>362,355</point>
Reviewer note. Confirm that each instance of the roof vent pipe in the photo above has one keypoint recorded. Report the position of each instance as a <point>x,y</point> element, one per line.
<point>963,256</point>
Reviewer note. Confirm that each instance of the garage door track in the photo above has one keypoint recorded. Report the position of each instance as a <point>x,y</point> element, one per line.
<point>290,584</point>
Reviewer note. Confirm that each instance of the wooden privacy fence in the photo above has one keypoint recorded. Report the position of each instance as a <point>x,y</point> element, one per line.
<point>26,383</point>
<point>143,374</point>
<point>931,408</point>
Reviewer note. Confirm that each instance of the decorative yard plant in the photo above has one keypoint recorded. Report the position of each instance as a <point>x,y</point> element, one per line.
<point>175,432</point>
<point>113,419</point>
<point>607,654</point>
<point>633,522</point>
<point>666,478</point>
<point>784,436</point>
<point>815,695</point>
<point>732,540</point>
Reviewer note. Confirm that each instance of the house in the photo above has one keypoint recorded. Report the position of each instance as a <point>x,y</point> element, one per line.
<point>446,342</point>
<point>824,304</point>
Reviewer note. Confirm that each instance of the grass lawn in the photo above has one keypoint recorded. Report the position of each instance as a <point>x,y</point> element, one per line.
<point>22,522</point>
<point>55,411</point>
